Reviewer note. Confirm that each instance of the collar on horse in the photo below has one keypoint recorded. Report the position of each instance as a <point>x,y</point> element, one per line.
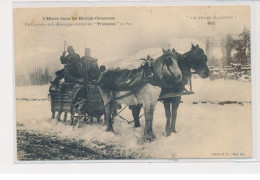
<point>150,74</point>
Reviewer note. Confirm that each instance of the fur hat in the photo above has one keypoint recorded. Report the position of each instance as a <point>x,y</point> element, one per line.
<point>70,48</point>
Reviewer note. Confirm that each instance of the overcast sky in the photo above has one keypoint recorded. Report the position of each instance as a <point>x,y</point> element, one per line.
<point>151,27</point>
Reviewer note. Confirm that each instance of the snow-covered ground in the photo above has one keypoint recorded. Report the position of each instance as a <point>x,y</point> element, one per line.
<point>204,130</point>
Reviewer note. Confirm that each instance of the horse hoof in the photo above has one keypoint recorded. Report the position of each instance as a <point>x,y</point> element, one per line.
<point>110,129</point>
<point>174,131</point>
<point>137,126</point>
<point>150,137</point>
<point>168,133</point>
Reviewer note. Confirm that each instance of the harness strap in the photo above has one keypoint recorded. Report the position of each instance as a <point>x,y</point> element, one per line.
<point>125,95</point>
<point>136,98</point>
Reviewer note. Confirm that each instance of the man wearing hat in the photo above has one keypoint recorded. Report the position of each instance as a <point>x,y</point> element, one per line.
<point>71,71</point>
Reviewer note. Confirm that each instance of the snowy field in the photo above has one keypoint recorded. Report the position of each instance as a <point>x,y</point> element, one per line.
<point>206,127</point>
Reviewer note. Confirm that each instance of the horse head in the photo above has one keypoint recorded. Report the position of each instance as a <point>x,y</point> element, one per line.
<point>198,61</point>
<point>167,66</point>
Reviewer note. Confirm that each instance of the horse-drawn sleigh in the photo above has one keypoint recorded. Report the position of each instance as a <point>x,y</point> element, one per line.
<point>64,101</point>
<point>161,79</point>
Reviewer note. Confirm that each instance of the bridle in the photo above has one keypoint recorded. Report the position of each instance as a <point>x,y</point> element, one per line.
<point>188,55</point>
<point>169,68</point>
<point>155,78</point>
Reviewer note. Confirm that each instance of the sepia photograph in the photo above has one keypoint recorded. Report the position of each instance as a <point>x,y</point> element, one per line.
<point>132,83</point>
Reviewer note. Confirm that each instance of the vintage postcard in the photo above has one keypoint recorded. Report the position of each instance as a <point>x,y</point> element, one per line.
<point>141,82</point>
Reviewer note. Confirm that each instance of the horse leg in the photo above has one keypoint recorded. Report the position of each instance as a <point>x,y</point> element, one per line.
<point>65,117</point>
<point>175,105</point>
<point>109,118</point>
<point>71,116</point>
<point>72,119</point>
<point>113,110</point>
<point>135,112</point>
<point>148,130</point>
<point>81,112</point>
<point>168,117</point>
<point>52,114</point>
<point>107,97</point>
<point>105,117</point>
<point>58,116</point>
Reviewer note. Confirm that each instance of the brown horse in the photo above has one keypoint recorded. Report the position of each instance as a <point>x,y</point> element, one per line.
<point>193,59</point>
<point>147,92</point>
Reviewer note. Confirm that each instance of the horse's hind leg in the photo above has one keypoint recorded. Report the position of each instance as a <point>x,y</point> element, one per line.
<point>107,96</point>
<point>109,117</point>
<point>135,113</point>
<point>71,116</point>
<point>167,109</point>
<point>52,114</point>
<point>175,105</point>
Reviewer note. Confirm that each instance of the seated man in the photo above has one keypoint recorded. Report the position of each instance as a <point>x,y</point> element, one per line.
<point>72,69</point>
<point>90,69</point>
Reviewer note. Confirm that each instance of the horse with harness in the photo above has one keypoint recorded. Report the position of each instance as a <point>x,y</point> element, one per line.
<point>172,91</point>
<point>140,86</point>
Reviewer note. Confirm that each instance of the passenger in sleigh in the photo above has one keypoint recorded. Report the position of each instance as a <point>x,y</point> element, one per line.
<point>72,71</point>
<point>90,70</point>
